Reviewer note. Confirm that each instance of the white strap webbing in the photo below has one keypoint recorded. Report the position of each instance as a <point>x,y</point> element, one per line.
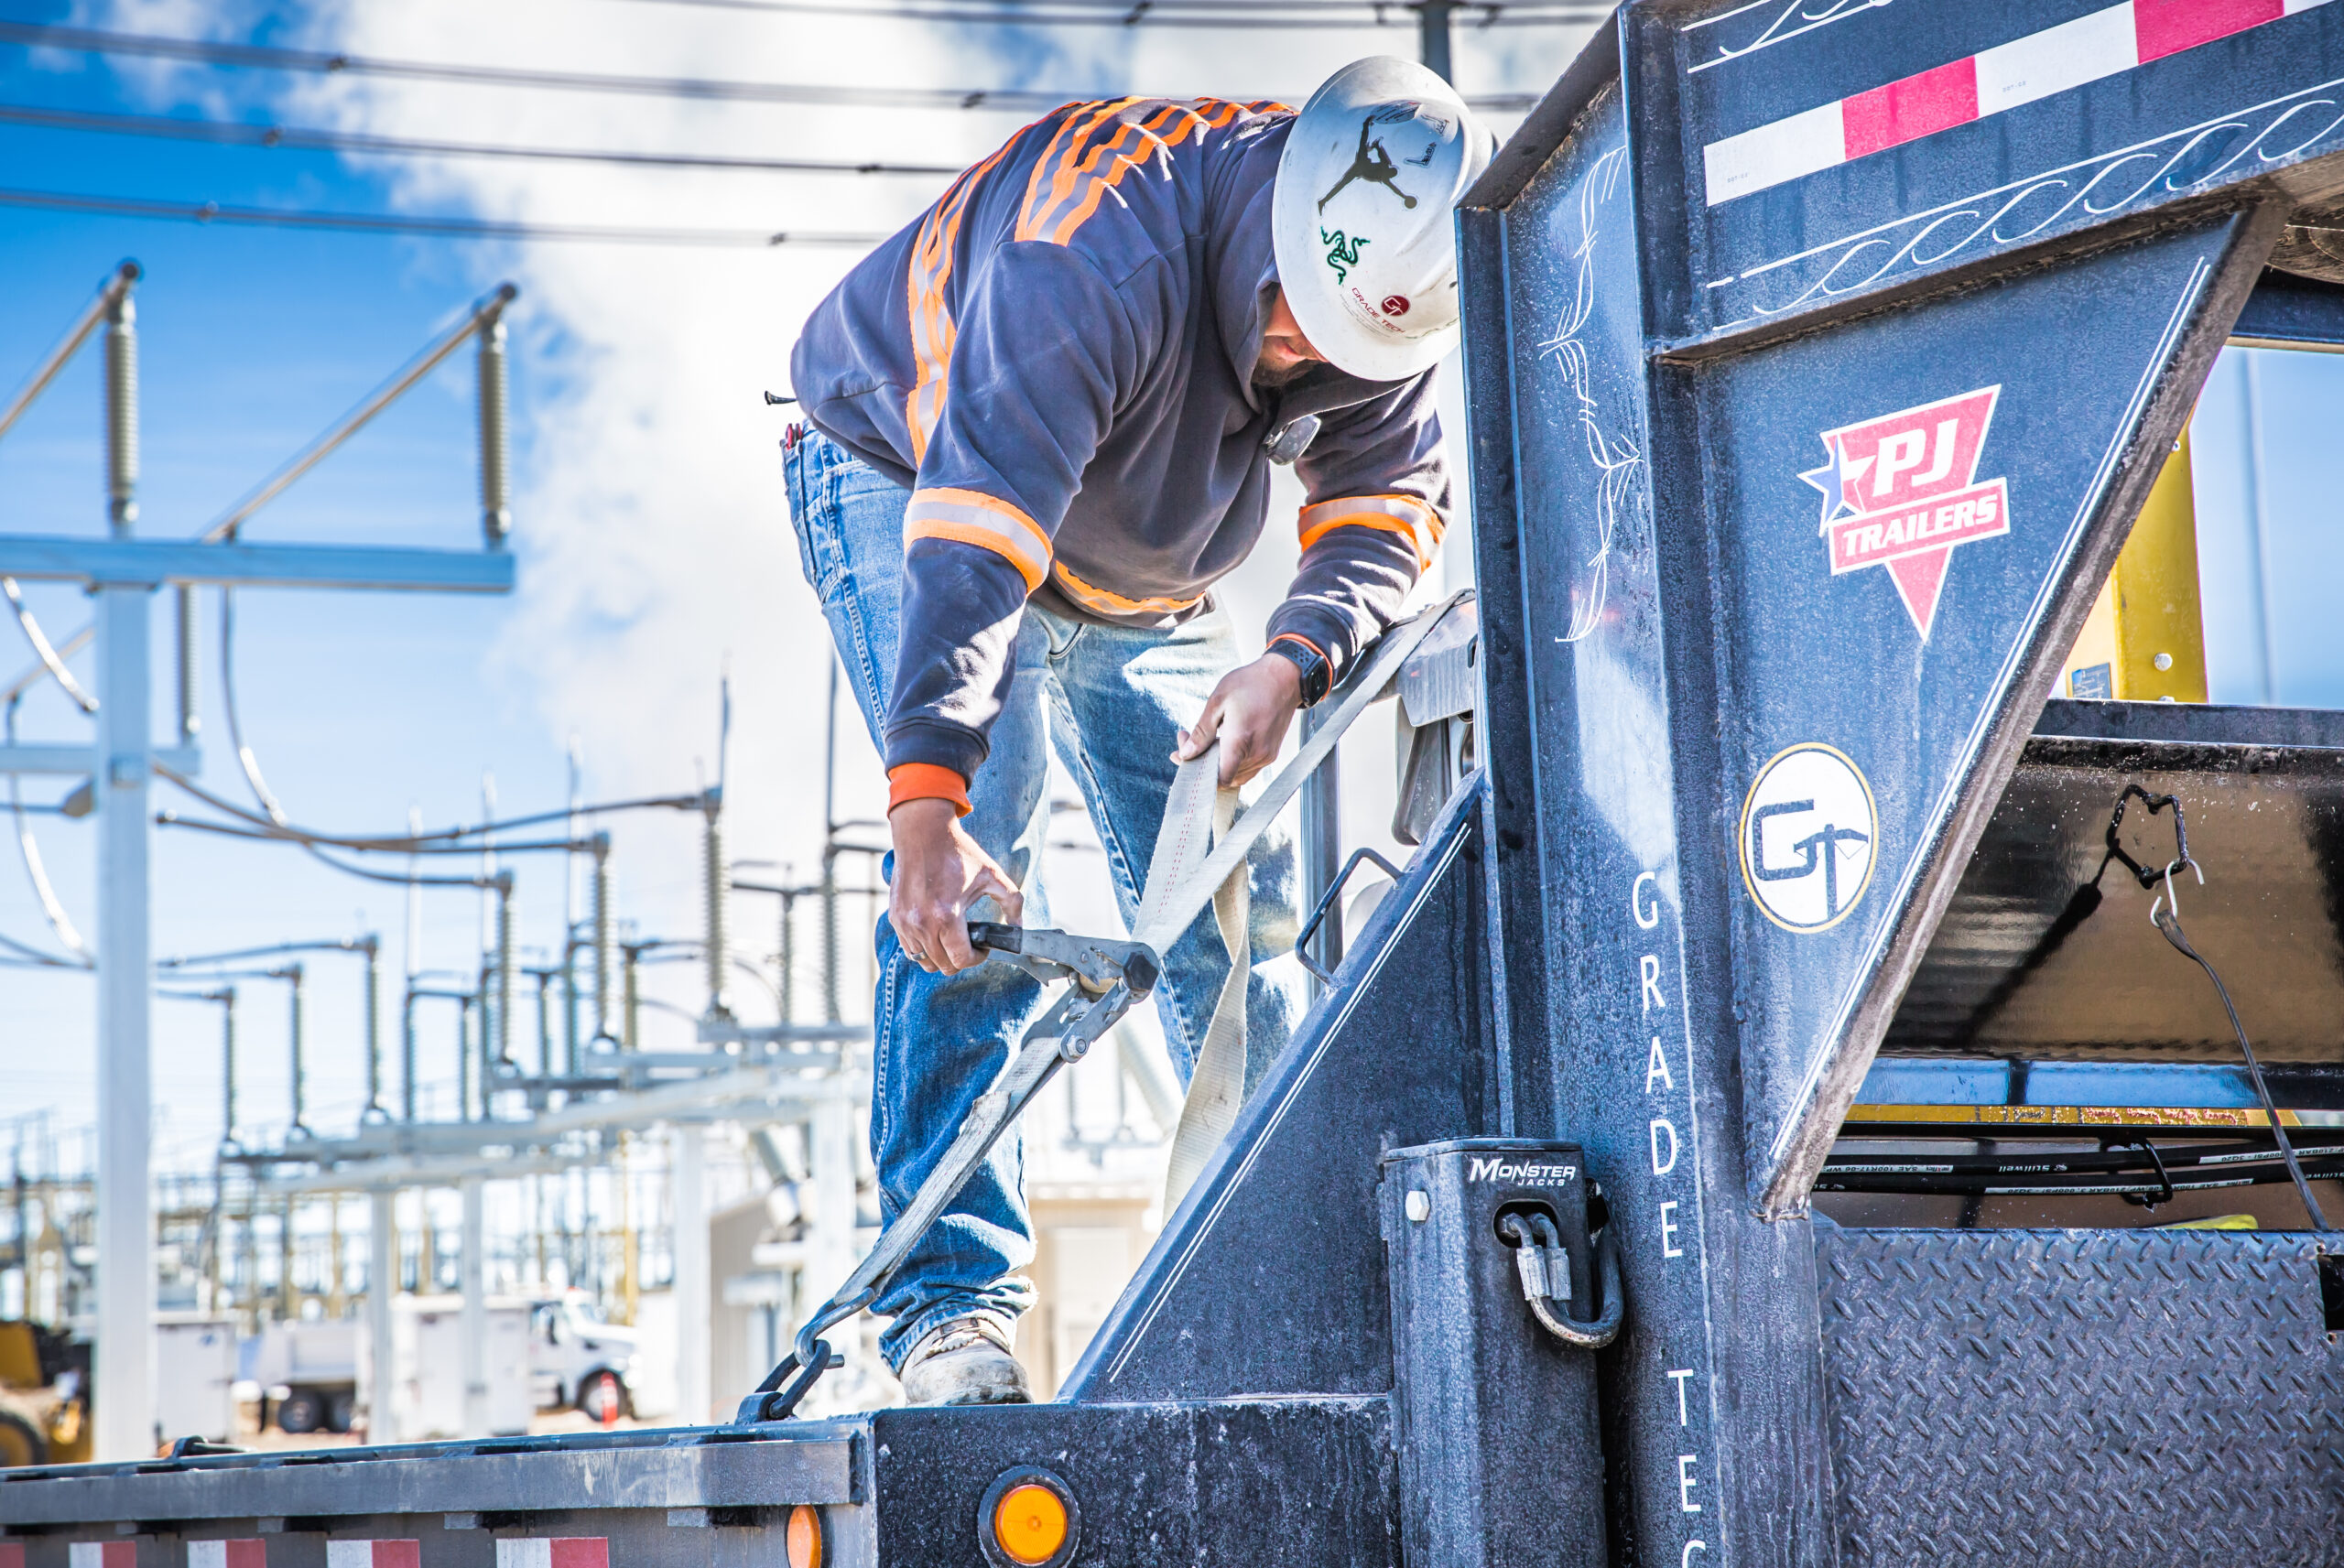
<point>1197,813</point>
<point>1199,856</point>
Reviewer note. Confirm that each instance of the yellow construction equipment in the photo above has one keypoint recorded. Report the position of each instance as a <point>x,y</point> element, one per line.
<point>44,1397</point>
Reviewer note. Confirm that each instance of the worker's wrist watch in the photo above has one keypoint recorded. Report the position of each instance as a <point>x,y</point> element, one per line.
<point>1317,676</point>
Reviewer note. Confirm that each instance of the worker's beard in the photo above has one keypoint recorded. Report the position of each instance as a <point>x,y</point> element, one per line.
<point>1271,378</point>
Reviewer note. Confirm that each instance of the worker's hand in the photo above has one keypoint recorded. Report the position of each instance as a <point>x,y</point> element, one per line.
<point>1248,713</point>
<point>940,873</point>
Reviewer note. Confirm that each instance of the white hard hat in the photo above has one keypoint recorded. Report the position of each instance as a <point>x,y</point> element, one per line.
<point>1360,218</point>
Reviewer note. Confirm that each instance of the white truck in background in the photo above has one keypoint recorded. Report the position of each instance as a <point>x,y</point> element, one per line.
<point>576,1361</point>
<point>545,1353</point>
<point>195,1376</point>
<point>427,1397</point>
<point>307,1371</point>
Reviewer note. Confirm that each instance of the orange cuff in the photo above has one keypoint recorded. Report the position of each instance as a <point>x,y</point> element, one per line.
<point>927,781</point>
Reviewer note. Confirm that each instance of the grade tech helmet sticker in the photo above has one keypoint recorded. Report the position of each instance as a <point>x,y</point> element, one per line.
<point>1902,491</point>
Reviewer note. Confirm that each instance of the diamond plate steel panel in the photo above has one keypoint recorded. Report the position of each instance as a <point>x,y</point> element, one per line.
<point>2057,1398</point>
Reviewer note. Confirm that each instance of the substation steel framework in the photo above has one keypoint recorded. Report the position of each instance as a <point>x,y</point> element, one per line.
<point>122,573</point>
<point>1819,358</point>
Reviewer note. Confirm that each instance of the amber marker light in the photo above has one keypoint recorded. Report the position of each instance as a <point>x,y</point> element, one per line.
<point>1030,1523</point>
<point>804,1537</point>
<point>1028,1520</point>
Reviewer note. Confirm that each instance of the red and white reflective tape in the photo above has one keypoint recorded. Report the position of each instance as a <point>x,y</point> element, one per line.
<point>555,1552</point>
<point>2103,43</point>
<point>250,1552</point>
<point>373,1554</point>
<point>12,1554</point>
<point>102,1554</point>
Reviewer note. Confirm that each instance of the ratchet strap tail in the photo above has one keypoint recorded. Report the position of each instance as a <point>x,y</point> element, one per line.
<point>1198,813</point>
<point>1201,857</point>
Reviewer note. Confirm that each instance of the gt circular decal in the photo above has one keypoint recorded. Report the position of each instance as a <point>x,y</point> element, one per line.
<point>1809,834</point>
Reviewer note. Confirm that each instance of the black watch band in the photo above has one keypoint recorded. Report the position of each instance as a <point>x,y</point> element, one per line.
<point>1317,677</point>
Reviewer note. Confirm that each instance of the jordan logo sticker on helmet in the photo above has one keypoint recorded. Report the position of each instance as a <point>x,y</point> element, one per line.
<point>1372,163</point>
<point>1902,490</point>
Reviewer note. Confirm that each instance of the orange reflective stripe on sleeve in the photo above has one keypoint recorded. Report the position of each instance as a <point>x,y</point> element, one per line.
<point>931,318</point>
<point>1415,521</point>
<point>1104,604</point>
<point>1074,150</point>
<point>973,517</point>
<point>1094,150</point>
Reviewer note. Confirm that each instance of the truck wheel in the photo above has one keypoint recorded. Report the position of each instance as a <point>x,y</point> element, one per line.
<point>300,1412</point>
<point>20,1442</point>
<point>340,1411</point>
<point>603,1397</point>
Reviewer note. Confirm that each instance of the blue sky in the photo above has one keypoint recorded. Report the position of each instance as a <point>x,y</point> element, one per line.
<point>251,342</point>
<point>650,528</point>
<point>2304,552</point>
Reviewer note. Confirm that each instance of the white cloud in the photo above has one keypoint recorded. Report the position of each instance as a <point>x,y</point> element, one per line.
<point>651,520</point>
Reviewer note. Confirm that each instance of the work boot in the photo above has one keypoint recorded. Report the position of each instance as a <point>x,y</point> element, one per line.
<point>964,1362</point>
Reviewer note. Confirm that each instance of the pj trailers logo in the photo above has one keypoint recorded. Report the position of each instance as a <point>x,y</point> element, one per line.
<point>1902,491</point>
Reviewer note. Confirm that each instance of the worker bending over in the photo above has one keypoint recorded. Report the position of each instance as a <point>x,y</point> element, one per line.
<point>1042,423</point>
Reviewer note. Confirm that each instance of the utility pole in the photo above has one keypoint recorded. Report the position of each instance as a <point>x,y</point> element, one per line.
<point>473,1321</point>
<point>688,1213</point>
<point>382,1290</point>
<point>716,873</point>
<point>299,1125</point>
<point>830,1009</point>
<point>1432,34</point>
<point>122,573</point>
<point>125,1361</point>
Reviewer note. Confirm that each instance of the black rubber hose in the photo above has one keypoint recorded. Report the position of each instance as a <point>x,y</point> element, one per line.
<point>2169,922</point>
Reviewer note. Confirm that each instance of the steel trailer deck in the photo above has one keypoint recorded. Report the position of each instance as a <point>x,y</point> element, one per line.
<point>1820,356</point>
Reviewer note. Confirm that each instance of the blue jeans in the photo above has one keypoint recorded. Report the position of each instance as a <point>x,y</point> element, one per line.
<point>1112,700</point>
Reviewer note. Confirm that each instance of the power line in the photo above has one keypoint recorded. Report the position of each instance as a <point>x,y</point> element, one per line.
<point>34,958</point>
<point>1278,14</point>
<point>443,228</point>
<point>90,40</point>
<point>442,842</point>
<point>169,818</point>
<point>237,132</point>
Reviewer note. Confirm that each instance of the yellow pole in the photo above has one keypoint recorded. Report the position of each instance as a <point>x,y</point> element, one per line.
<point>2145,639</point>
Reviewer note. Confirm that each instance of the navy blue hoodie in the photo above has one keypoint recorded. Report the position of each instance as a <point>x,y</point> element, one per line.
<point>1057,361</point>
